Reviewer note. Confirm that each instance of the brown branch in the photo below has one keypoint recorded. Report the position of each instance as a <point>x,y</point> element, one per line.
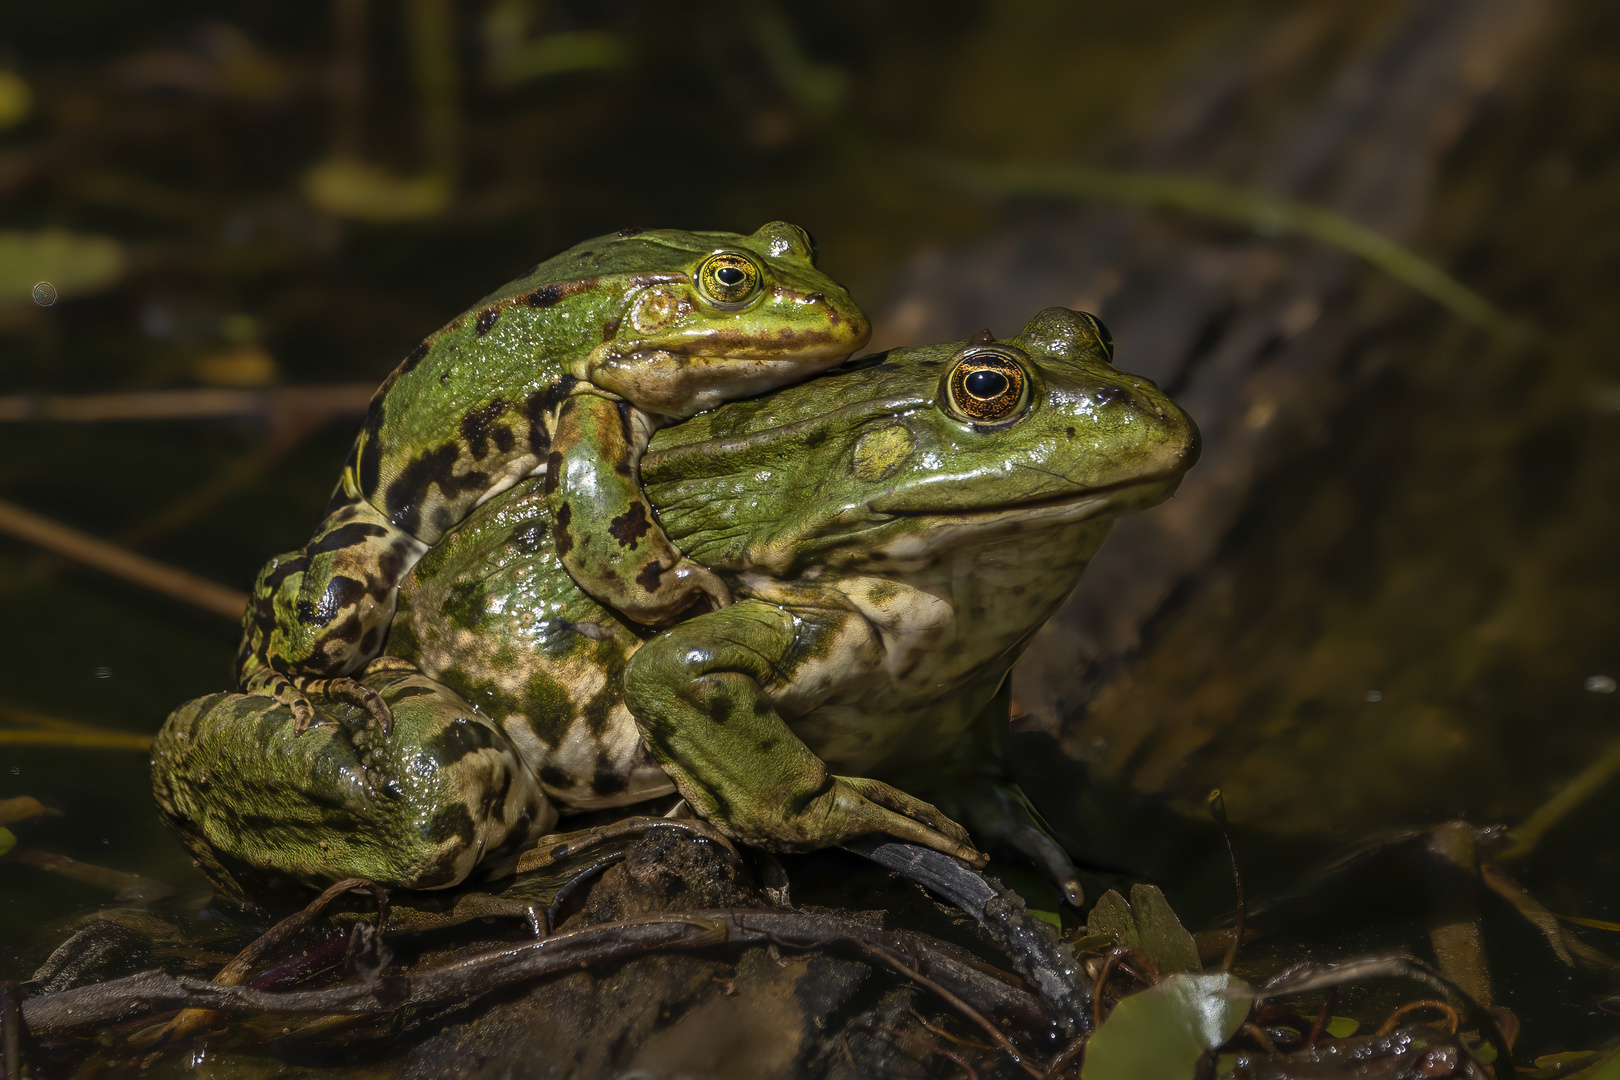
<point>208,403</point>
<point>127,887</point>
<point>120,562</point>
<point>155,991</point>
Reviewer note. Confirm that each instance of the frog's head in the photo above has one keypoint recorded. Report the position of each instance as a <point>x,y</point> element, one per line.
<point>907,454</point>
<point>710,316</point>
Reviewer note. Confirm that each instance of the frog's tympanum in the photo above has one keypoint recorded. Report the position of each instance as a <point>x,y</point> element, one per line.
<point>565,373</point>
<point>894,533</point>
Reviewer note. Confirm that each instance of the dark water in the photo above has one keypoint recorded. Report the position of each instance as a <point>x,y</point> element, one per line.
<point>1447,542</point>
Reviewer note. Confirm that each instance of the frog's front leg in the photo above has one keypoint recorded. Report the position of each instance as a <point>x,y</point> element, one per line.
<point>317,615</point>
<point>702,696</point>
<point>604,528</point>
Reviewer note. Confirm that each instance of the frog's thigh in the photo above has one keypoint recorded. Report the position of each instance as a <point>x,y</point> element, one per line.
<point>419,808</point>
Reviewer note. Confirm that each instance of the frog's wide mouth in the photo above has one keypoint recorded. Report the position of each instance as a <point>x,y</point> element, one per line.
<point>1124,497</point>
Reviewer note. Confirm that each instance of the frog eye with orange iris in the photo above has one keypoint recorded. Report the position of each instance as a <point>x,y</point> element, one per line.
<point>987,386</point>
<point>728,279</point>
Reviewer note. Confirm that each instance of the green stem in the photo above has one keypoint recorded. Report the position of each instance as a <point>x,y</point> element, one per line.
<point>1267,215</point>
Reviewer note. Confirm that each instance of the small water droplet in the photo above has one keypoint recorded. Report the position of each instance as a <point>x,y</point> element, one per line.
<point>1374,695</point>
<point>15,771</point>
<point>1600,684</point>
<point>102,673</point>
<point>44,294</point>
<point>106,841</point>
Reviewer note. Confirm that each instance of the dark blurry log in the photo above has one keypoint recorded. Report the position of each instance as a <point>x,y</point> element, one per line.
<point>1252,335</point>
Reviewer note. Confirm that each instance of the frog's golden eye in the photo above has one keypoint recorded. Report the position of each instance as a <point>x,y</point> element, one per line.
<point>987,386</point>
<point>728,279</point>
<point>1102,333</point>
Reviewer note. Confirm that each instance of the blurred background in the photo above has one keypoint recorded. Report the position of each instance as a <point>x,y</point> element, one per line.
<point>1372,246</point>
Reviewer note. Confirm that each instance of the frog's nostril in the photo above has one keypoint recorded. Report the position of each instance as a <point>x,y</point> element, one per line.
<point>1105,395</point>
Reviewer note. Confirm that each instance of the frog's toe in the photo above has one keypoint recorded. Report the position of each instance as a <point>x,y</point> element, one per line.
<point>889,810</point>
<point>358,693</point>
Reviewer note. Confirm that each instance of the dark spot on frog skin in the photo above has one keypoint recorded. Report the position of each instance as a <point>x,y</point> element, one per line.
<point>534,410</point>
<point>410,692</point>
<point>285,568</point>
<point>494,802</point>
<point>415,357</point>
<point>545,296</point>
<point>504,439</point>
<point>486,321</point>
<point>1069,432</point>
<point>557,391</point>
<point>607,781</point>
<point>476,424</point>
<point>368,643</point>
<point>559,532</point>
<point>341,592</point>
<point>345,537</point>
<point>554,464</point>
<point>555,778</point>
<point>391,566</point>
<point>452,822</point>
<point>458,740</point>
<point>630,527</point>
<point>1107,395</point>
<point>650,574</point>
<point>409,489</point>
<point>368,448</point>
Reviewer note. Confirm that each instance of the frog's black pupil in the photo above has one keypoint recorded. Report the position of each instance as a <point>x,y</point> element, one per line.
<point>730,275</point>
<point>986,384</point>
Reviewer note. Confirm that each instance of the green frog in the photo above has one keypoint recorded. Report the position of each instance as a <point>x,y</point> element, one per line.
<point>893,532</point>
<point>566,373</point>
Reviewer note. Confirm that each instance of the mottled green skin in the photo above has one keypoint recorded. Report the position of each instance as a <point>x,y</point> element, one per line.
<point>890,562</point>
<point>565,372</point>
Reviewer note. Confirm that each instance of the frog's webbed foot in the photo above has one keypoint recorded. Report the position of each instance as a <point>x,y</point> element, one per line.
<point>999,813</point>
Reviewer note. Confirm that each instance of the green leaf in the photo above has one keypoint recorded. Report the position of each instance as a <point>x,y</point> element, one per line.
<point>1148,924</point>
<point>1607,1069</point>
<point>1161,933</point>
<point>8,840</point>
<point>1342,1027</point>
<point>348,188</point>
<point>1161,1033</point>
<point>71,264</point>
<point>16,99</point>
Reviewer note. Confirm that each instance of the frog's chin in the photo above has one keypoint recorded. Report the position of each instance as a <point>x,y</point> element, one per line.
<point>945,527</point>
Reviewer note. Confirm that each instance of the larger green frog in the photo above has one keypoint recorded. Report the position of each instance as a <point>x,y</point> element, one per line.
<point>564,372</point>
<point>894,532</point>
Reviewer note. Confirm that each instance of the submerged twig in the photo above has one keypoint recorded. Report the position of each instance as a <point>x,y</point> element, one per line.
<point>1304,978</point>
<point>1523,839</point>
<point>120,562</point>
<point>131,888</point>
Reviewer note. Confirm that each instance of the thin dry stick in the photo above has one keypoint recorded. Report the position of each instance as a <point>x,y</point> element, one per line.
<point>202,404</point>
<point>10,1031</point>
<point>121,562</point>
